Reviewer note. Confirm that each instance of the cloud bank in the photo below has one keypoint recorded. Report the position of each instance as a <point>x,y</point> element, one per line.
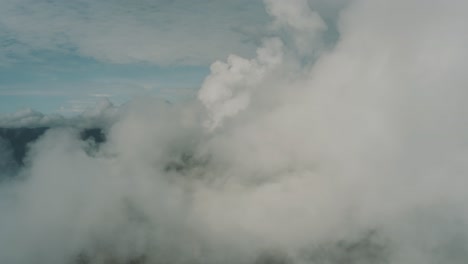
<point>356,154</point>
<point>159,32</point>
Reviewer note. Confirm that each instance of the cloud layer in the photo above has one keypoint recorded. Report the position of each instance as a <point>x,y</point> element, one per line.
<point>160,32</point>
<point>356,154</point>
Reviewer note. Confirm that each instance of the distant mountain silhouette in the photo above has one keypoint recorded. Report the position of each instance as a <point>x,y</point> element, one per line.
<point>18,139</point>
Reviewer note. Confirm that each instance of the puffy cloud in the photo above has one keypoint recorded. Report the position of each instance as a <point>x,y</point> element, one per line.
<point>299,20</point>
<point>27,118</point>
<point>101,114</point>
<point>227,90</point>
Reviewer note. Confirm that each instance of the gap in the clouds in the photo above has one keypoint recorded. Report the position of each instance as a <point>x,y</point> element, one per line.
<point>57,82</point>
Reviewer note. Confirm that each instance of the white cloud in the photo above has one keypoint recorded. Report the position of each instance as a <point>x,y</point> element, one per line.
<point>87,113</point>
<point>226,91</point>
<point>297,18</point>
<point>359,156</point>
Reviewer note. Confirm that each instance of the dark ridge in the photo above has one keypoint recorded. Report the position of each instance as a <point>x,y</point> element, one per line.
<point>18,139</point>
<point>273,257</point>
<point>369,249</point>
<point>85,259</point>
<point>94,134</point>
<point>182,164</point>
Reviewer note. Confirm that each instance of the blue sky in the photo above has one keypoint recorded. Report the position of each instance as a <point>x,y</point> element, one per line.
<point>63,56</point>
<point>68,84</point>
